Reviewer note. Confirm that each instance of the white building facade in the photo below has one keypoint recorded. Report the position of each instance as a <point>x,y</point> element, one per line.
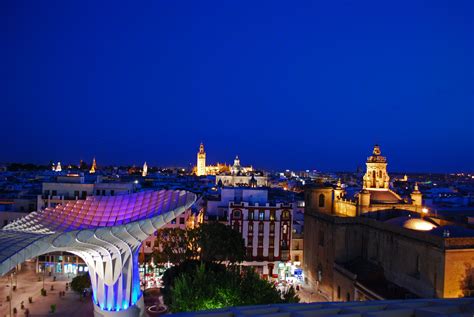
<point>267,231</point>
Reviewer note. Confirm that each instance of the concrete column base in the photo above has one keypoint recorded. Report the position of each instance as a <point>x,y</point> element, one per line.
<point>137,310</point>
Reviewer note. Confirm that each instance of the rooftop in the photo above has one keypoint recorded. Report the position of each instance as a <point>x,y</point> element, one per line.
<point>386,308</point>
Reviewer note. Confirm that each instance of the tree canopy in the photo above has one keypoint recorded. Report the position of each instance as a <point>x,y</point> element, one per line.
<point>218,242</point>
<point>80,282</point>
<point>210,242</point>
<point>194,286</point>
<point>174,245</point>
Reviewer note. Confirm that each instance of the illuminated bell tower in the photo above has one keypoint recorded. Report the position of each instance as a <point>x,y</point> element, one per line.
<point>94,166</point>
<point>201,161</point>
<point>338,191</point>
<point>416,196</point>
<point>376,176</point>
<point>145,170</point>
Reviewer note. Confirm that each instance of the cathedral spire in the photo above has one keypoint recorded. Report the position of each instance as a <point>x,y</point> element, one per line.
<point>94,166</point>
<point>201,161</point>
<point>144,170</point>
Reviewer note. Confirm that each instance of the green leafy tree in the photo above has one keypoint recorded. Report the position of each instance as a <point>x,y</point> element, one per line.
<point>174,245</point>
<point>290,296</point>
<point>81,282</point>
<point>187,267</point>
<point>210,242</point>
<point>218,243</point>
<point>195,286</point>
<point>170,245</point>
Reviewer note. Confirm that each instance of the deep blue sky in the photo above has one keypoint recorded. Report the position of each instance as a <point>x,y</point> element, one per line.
<point>284,84</point>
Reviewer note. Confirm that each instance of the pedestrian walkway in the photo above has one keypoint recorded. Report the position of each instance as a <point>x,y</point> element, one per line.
<point>70,305</point>
<point>308,295</point>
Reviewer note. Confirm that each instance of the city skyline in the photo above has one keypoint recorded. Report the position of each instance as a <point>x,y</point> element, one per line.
<point>71,165</point>
<point>308,87</point>
<point>240,158</point>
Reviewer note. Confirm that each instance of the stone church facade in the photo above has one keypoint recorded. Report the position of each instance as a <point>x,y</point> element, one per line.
<point>381,246</point>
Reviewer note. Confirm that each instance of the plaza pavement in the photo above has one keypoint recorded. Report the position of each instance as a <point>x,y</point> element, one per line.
<point>308,295</point>
<point>28,285</point>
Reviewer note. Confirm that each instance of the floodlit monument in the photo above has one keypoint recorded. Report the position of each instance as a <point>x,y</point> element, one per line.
<point>105,231</point>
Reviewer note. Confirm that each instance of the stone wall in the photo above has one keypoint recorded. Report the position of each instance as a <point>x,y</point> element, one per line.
<point>417,261</point>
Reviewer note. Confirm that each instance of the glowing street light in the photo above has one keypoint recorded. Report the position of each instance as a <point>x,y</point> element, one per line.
<point>424,211</point>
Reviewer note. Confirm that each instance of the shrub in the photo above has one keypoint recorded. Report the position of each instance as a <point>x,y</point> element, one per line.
<point>80,282</point>
<point>213,286</point>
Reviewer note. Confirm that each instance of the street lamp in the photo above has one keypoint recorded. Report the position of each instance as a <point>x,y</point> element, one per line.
<point>44,271</point>
<point>424,211</point>
<point>146,275</point>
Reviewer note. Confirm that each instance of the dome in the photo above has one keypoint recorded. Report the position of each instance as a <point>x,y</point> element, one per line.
<point>384,197</point>
<point>412,223</point>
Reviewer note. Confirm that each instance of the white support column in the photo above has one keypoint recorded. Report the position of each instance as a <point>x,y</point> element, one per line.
<point>109,251</point>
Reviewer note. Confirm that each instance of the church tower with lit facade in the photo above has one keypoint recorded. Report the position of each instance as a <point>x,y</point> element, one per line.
<point>376,175</point>
<point>94,167</point>
<point>201,161</point>
<point>375,194</point>
<point>354,238</point>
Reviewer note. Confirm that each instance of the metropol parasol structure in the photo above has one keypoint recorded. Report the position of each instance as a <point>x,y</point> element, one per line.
<point>106,232</point>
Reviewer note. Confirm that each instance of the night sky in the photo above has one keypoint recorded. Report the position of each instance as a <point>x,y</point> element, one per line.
<point>283,84</point>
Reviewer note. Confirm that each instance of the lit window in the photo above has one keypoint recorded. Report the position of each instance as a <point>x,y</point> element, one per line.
<point>272,215</point>
<point>261,215</point>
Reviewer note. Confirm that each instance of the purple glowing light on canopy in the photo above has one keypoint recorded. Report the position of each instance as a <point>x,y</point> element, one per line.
<point>106,231</point>
<point>106,211</point>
